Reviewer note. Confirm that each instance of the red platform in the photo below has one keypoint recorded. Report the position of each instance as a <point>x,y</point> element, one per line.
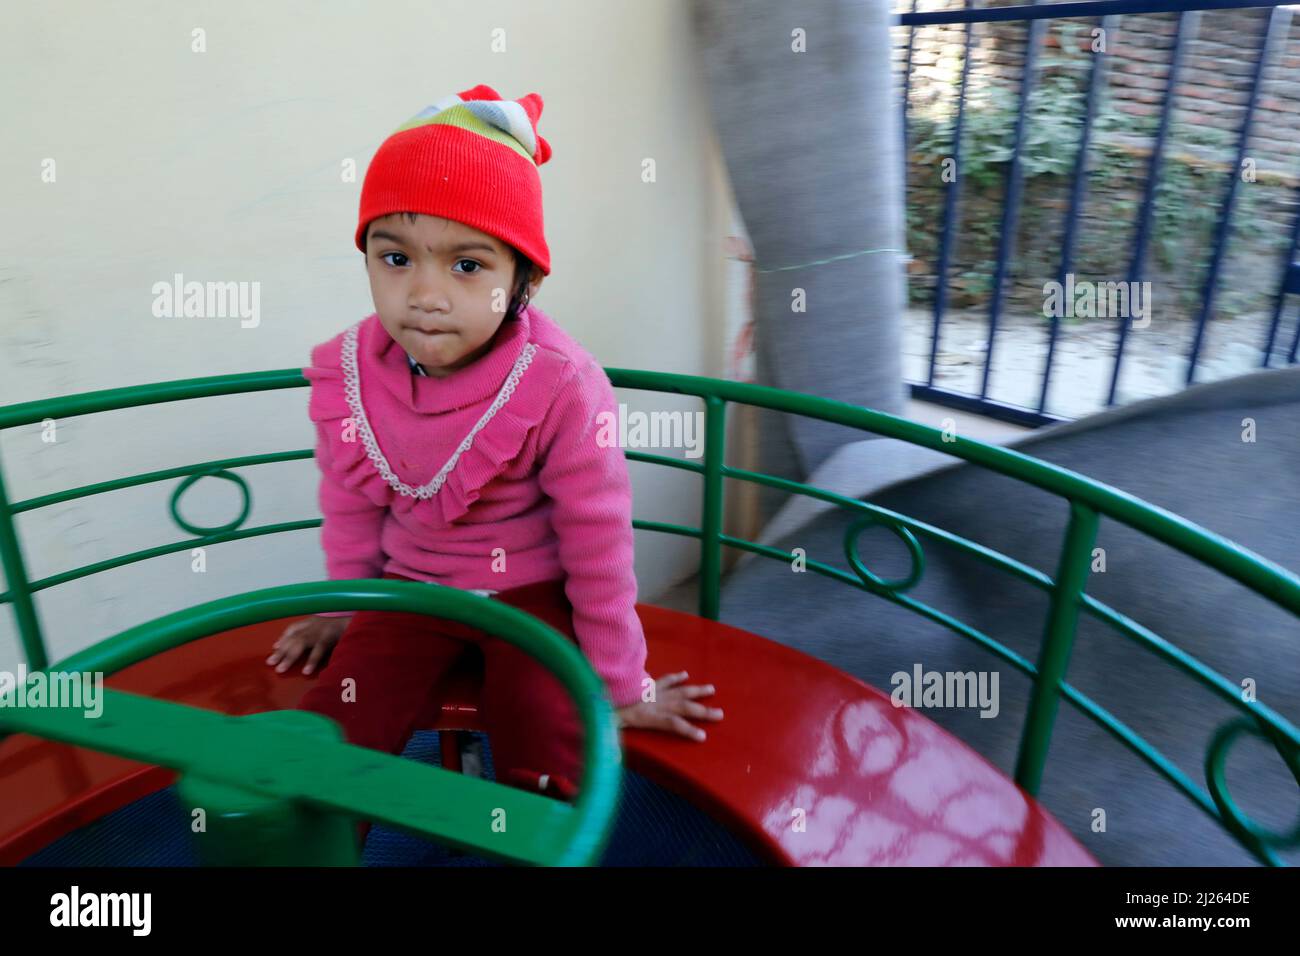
<point>810,766</point>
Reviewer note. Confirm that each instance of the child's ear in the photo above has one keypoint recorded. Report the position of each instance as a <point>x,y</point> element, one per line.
<point>535,281</point>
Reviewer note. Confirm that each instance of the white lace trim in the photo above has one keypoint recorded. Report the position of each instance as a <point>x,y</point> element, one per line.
<point>352,392</point>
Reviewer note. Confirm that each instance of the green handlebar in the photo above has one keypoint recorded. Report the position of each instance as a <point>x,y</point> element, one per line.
<point>299,772</point>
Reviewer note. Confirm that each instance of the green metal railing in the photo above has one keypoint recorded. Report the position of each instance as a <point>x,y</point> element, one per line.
<point>279,788</point>
<point>299,785</point>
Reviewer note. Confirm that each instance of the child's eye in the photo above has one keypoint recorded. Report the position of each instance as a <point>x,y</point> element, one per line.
<point>477,266</point>
<point>385,256</point>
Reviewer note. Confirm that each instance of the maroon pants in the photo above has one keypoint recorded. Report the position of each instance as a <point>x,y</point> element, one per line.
<point>397,661</point>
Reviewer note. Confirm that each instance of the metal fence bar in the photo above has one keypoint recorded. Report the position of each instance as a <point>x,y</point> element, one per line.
<point>1295,343</point>
<point>176,390</point>
<point>907,90</point>
<point>715,437</point>
<point>987,407</point>
<point>1085,8</point>
<point>181,471</point>
<point>950,206</point>
<point>902,155</point>
<point>1141,237</point>
<point>20,592</point>
<point>1078,187</point>
<point>1011,203</point>
<point>1267,39</point>
<point>121,560</point>
<point>1058,641</point>
<point>1288,284</point>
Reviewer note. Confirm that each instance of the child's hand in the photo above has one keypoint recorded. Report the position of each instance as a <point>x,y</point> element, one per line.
<point>316,634</point>
<point>672,705</point>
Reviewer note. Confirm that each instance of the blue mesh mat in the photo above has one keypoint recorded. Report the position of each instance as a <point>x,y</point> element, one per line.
<point>653,827</point>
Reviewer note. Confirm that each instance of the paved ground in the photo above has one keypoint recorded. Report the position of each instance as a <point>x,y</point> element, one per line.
<point>1155,358</point>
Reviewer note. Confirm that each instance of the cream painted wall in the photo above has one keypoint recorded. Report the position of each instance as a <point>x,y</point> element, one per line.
<point>227,165</point>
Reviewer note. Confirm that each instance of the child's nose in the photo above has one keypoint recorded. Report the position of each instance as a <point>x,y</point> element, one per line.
<point>428,297</point>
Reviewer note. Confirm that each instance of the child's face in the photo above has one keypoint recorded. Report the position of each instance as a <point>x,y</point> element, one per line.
<point>441,288</point>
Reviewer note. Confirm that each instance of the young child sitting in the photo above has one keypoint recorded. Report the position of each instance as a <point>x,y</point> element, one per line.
<point>456,434</point>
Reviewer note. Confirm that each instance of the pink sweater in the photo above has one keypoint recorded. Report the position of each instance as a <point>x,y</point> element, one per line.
<point>525,492</point>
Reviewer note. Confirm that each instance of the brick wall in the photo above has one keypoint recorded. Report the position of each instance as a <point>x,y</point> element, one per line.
<point>1220,49</point>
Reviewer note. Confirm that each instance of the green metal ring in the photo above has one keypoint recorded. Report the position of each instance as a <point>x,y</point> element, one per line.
<point>1215,774</point>
<point>875,581</point>
<point>199,530</point>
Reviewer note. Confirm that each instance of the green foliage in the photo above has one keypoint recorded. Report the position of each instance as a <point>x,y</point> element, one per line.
<point>1189,195</point>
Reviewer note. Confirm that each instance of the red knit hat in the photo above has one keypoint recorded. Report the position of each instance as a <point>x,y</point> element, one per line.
<point>472,157</point>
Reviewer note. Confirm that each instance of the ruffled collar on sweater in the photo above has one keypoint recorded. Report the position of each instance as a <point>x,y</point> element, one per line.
<point>386,364</point>
<point>366,434</point>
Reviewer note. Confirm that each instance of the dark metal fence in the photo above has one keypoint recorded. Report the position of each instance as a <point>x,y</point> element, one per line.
<point>1274,351</point>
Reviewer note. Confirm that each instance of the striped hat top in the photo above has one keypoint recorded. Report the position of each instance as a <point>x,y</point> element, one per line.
<point>471,157</point>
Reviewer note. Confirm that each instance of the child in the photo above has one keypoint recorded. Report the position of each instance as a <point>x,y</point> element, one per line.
<point>456,436</point>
